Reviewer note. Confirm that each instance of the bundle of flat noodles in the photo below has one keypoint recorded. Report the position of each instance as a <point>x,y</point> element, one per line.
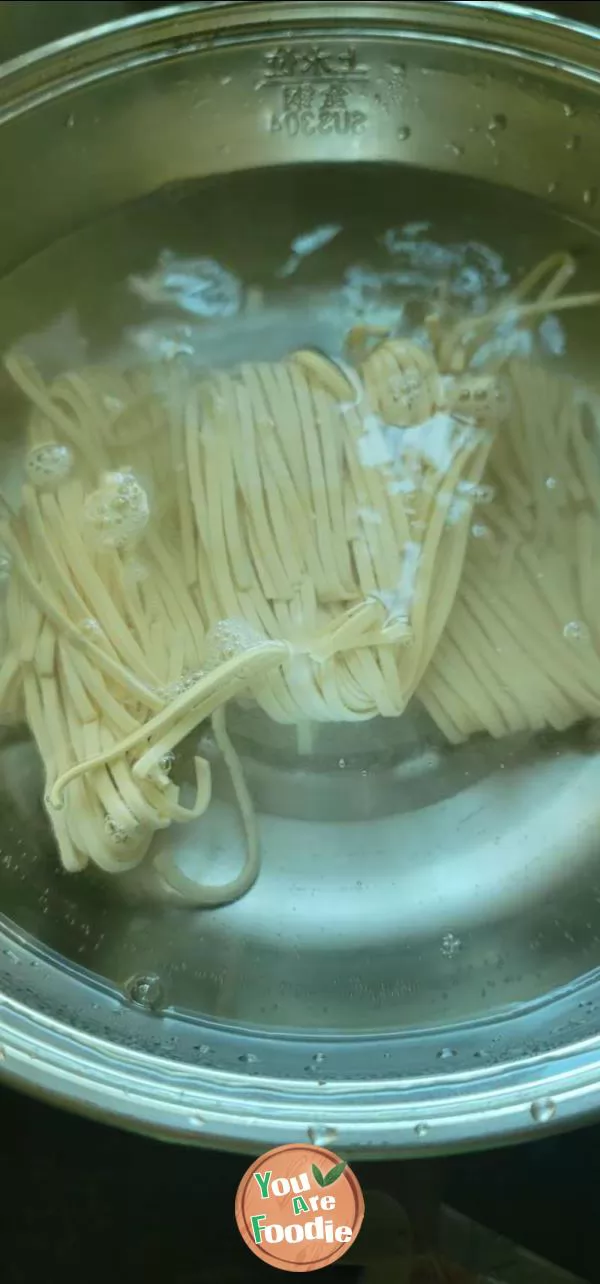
<point>297,532</point>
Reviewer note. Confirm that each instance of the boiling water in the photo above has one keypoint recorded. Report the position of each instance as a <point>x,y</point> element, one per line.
<point>403,880</point>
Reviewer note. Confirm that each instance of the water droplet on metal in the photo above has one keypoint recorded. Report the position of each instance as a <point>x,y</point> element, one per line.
<point>319,1058</point>
<point>551,483</point>
<point>248,1058</point>
<point>145,991</point>
<point>446,1054</point>
<point>590,196</point>
<point>456,149</point>
<point>497,123</point>
<point>568,110</point>
<point>70,121</point>
<point>341,763</point>
<point>322,1136</point>
<point>197,1121</point>
<point>451,944</point>
<point>2,1053</point>
<point>573,143</point>
<point>552,187</point>
<point>422,1130</point>
<point>403,133</point>
<point>225,80</point>
<point>543,1111</point>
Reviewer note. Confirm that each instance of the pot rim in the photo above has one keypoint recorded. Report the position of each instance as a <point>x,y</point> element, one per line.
<point>197,1103</point>
<point>236,16</point>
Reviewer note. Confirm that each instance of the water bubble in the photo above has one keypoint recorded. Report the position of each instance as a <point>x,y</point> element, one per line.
<point>319,1058</point>
<point>543,1111</point>
<point>70,121</point>
<point>114,405</point>
<point>48,464</point>
<point>576,631</point>
<point>145,991</point>
<point>197,1121</point>
<point>135,570</point>
<point>421,1130</point>
<point>551,483</point>
<point>573,143</point>
<point>248,1058</point>
<point>116,832</point>
<point>498,123</point>
<point>403,133</point>
<point>451,945</point>
<point>118,511</point>
<point>480,493</point>
<point>446,1054</point>
<point>225,80</point>
<point>590,196</point>
<point>228,638</point>
<point>198,287</point>
<point>552,187</point>
<point>456,148</point>
<point>341,763</point>
<point>184,683</point>
<point>321,1135</point>
<point>91,626</point>
<point>479,531</point>
<point>568,110</point>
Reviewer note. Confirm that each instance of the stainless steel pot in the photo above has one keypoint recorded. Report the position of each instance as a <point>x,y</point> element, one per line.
<point>449,1002</point>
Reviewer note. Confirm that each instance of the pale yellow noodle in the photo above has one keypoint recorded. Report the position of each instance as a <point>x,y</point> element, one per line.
<point>304,537</point>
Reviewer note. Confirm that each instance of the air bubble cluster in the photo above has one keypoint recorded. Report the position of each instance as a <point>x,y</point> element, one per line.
<point>116,832</point>
<point>182,684</point>
<point>479,492</point>
<point>483,398</point>
<point>576,631</point>
<point>118,512</point>
<point>229,638</point>
<point>49,464</point>
<point>451,945</point>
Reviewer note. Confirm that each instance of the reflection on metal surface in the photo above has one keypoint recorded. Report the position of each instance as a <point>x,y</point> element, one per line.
<point>387,981</point>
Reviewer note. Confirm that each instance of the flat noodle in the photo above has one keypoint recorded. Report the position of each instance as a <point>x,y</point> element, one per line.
<point>302,533</point>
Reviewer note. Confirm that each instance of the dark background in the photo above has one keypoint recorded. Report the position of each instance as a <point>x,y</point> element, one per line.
<point>81,1199</point>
